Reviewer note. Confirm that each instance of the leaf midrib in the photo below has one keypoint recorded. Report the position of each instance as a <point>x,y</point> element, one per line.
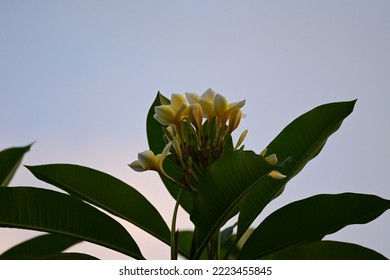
<point>222,217</point>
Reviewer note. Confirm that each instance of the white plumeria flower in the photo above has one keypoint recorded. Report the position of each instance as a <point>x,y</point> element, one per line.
<point>195,115</point>
<point>223,110</point>
<point>147,160</point>
<point>206,101</point>
<point>172,113</point>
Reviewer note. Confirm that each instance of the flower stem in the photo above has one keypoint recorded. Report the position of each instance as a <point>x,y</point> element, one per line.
<point>174,241</point>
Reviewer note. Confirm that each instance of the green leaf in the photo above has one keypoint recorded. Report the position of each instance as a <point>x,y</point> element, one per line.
<point>106,192</point>
<point>54,212</point>
<point>299,142</point>
<point>222,190</point>
<point>311,219</point>
<point>40,247</point>
<point>326,250</point>
<point>156,144</point>
<point>185,242</point>
<point>71,256</point>
<point>227,244</point>
<point>10,160</point>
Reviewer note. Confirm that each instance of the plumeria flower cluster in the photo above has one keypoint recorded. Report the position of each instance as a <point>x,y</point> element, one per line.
<point>197,129</point>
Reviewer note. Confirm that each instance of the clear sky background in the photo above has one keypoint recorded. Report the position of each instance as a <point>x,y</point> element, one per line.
<point>78,77</point>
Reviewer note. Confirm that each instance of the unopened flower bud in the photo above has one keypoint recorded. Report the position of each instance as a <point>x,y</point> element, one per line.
<point>263,152</point>
<point>170,132</point>
<point>220,106</point>
<point>241,139</point>
<point>206,101</point>
<point>234,120</point>
<point>276,175</point>
<point>176,147</point>
<point>196,115</point>
<point>272,159</point>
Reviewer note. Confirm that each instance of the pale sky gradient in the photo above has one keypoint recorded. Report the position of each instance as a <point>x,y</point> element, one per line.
<point>78,77</point>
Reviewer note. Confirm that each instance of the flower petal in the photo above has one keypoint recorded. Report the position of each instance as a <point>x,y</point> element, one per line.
<point>231,109</point>
<point>207,108</point>
<point>237,105</point>
<point>220,106</point>
<point>192,98</point>
<point>136,166</point>
<point>164,114</point>
<point>208,95</point>
<point>234,120</point>
<point>206,101</point>
<point>166,150</point>
<point>195,114</point>
<point>177,100</point>
<point>147,160</point>
<point>180,114</point>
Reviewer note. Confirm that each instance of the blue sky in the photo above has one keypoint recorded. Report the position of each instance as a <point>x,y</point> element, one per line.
<point>78,78</point>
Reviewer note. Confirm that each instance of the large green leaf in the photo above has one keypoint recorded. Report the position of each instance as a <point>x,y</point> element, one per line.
<point>185,241</point>
<point>222,189</point>
<point>326,250</point>
<point>54,212</point>
<point>299,142</point>
<point>40,247</point>
<point>70,256</point>
<point>156,142</point>
<point>106,192</point>
<point>10,159</point>
<point>45,247</point>
<point>311,219</point>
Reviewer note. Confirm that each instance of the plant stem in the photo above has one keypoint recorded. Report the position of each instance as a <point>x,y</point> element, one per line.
<point>174,249</point>
<point>215,246</point>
